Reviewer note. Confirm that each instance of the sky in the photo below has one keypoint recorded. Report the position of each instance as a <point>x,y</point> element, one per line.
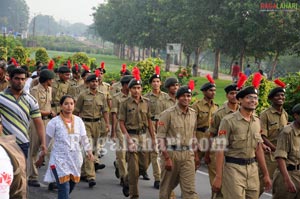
<point>71,10</point>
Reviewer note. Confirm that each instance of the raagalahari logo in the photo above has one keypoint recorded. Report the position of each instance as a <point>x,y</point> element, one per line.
<point>284,6</point>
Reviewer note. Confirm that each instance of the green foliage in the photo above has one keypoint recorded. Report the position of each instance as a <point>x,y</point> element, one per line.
<point>20,54</point>
<point>10,43</point>
<point>183,74</point>
<point>3,53</point>
<point>81,58</point>
<point>111,77</point>
<point>93,62</point>
<point>292,94</point>
<point>42,56</point>
<point>263,92</point>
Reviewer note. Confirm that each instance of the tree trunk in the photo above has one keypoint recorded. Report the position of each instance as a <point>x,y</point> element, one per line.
<point>242,56</point>
<point>143,54</point>
<point>231,63</point>
<point>168,60</point>
<point>139,54</point>
<point>274,65</point>
<point>196,60</point>
<point>180,56</point>
<point>217,63</point>
<point>188,57</point>
<point>158,52</point>
<point>122,51</point>
<point>150,52</point>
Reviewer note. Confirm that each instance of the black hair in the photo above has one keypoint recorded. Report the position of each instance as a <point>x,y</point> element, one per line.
<point>42,79</point>
<point>63,99</point>
<point>16,71</point>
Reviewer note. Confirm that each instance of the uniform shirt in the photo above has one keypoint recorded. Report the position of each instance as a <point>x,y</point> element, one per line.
<point>116,101</point>
<point>288,145</point>
<point>105,88</point>
<point>16,114</point>
<point>240,137</point>
<point>115,88</point>
<point>204,112</point>
<point>135,115</point>
<point>75,91</point>
<point>91,105</point>
<point>75,82</point>
<point>169,102</point>
<point>157,103</point>
<point>176,126</point>
<point>43,96</point>
<point>3,84</point>
<point>59,89</point>
<point>272,122</point>
<point>217,117</point>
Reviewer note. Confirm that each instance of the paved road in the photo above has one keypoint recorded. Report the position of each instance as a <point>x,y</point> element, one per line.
<point>108,185</point>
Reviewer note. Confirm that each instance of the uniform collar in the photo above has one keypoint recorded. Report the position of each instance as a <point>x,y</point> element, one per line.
<point>133,100</point>
<point>180,112</point>
<point>41,87</point>
<point>227,109</point>
<point>273,110</point>
<point>240,116</point>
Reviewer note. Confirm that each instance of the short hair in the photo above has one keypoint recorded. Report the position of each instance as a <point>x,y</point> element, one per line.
<point>63,99</point>
<point>3,65</point>
<point>16,71</point>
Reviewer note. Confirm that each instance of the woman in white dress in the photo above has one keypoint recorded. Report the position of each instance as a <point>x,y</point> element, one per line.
<point>69,135</point>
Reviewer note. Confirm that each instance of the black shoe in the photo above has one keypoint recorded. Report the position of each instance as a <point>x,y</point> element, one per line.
<point>117,173</point>
<point>125,190</point>
<point>52,186</point>
<point>34,183</point>
<point>145,176</point>
<point>83,179</point>
<point>92,183</point>
<point>156,184</point>
<point>99,166</point>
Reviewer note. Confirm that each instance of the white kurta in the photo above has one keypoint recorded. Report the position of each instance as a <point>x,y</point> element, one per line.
<point>66,153</point>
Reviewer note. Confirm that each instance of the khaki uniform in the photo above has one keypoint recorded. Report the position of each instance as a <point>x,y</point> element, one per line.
<point>118,98</point>
<point>178,129</point>
<point>34,82</point>
<point>44,98</point>
<point>240,138</point>
<point>115,88</point>
<point>288,145</point>
<point>59,89</point>
<point>214,127</point>
<point>135,116</point>
<point>3,84</point>
<point>272,122</point>
<point>75,91</point>
<point>91,108</point>
<point>75,82</point>
<point>157,106</point>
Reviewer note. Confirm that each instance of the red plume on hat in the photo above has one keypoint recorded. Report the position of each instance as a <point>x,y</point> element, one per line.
<point>256,80</point>
<point>157,70</point>
<point>14,61</point>
<point>280,83</point>
<point>102,65</point>
<point>97,73</point>
<point>51,64</point>
<point>123,68</point>
<point>191,84</point>
<point>136,73</point>
<point>69,64</point>
<point>242,80</point>
<point>85,67</point>
<point>76,67</point>
<point>210,79</point>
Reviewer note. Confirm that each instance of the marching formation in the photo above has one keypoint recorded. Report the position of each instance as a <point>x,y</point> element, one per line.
<point>63,118</point>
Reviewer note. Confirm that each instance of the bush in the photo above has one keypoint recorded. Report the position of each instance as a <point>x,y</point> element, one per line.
<point>3,53</point>
<point>42,56</point>
<point>81,58</point>
<point>183,74</point>
<point>20,54</point>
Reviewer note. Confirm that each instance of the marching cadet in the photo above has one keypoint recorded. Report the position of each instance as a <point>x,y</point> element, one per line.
<point>172,85</point>
<point>272,121</point>
<point>157,100</point>
<point>204,109</point>
<point>60,87</point>
<point>120,163</point>
<point>76,79</point>
<point>135,121</point>
<point>91,105</point>
<point>229,107</point>
<point>42,93</point>
<point>117,86</point>
<point>176,133</point>
<point>239,144</point>
<point>3,81</point>
<point>286,181</point>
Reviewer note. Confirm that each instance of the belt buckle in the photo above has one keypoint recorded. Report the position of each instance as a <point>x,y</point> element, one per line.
<point>184,148</point>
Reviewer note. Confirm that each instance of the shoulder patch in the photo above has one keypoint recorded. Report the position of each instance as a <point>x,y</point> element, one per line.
<point>222,132</point>
<point>161,123</point>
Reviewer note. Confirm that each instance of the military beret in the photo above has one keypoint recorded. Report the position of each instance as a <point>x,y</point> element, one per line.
<point>102,70</point>
<point>246,91</point>
<point>91,78</point>
<point>153,77</point>
<point>134,82</point>
<point>170,81</point>
<point>43,68</point>
<point>126,79</point>
<point>127,72</point>
<point>10,68</point>
<point>47,74</point>
<point>296,109</point>
<point>63,69</point>
<point>182,90</point>
<point>84,73</point>
<point>207,86</point>
<point>274,91</point>
<point>76,69</point>
<point>231,87</point>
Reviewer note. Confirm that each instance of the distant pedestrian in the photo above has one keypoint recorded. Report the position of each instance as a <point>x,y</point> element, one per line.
<point>248,71</point>
<point>235,72</point>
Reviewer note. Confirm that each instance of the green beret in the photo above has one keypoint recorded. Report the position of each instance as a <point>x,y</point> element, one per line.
<point>134,82</point>
<point>91,78</point>
<point>182,90</point>
<point>47,74</point>
<point>171,81</point>
<point>207,86</point>
<point>153,77</point>
<point>126,79</point>
<point>43,68</point>
<point>231,87</point>
<point>296,109</point>
<point>274,91</point>
<point>127,72</point>
<point>63,69</point>
<point>246,91</point>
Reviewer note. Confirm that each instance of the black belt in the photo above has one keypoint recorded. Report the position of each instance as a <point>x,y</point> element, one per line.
<point>203,129</point>
<point>91,119</point>
<point>291,167</point>
<point>178,148</point>
<point>240,161</point>
<point>153,118</point>
<point>54,104</point>
<point>45,117</point>
<point>136,132</point>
